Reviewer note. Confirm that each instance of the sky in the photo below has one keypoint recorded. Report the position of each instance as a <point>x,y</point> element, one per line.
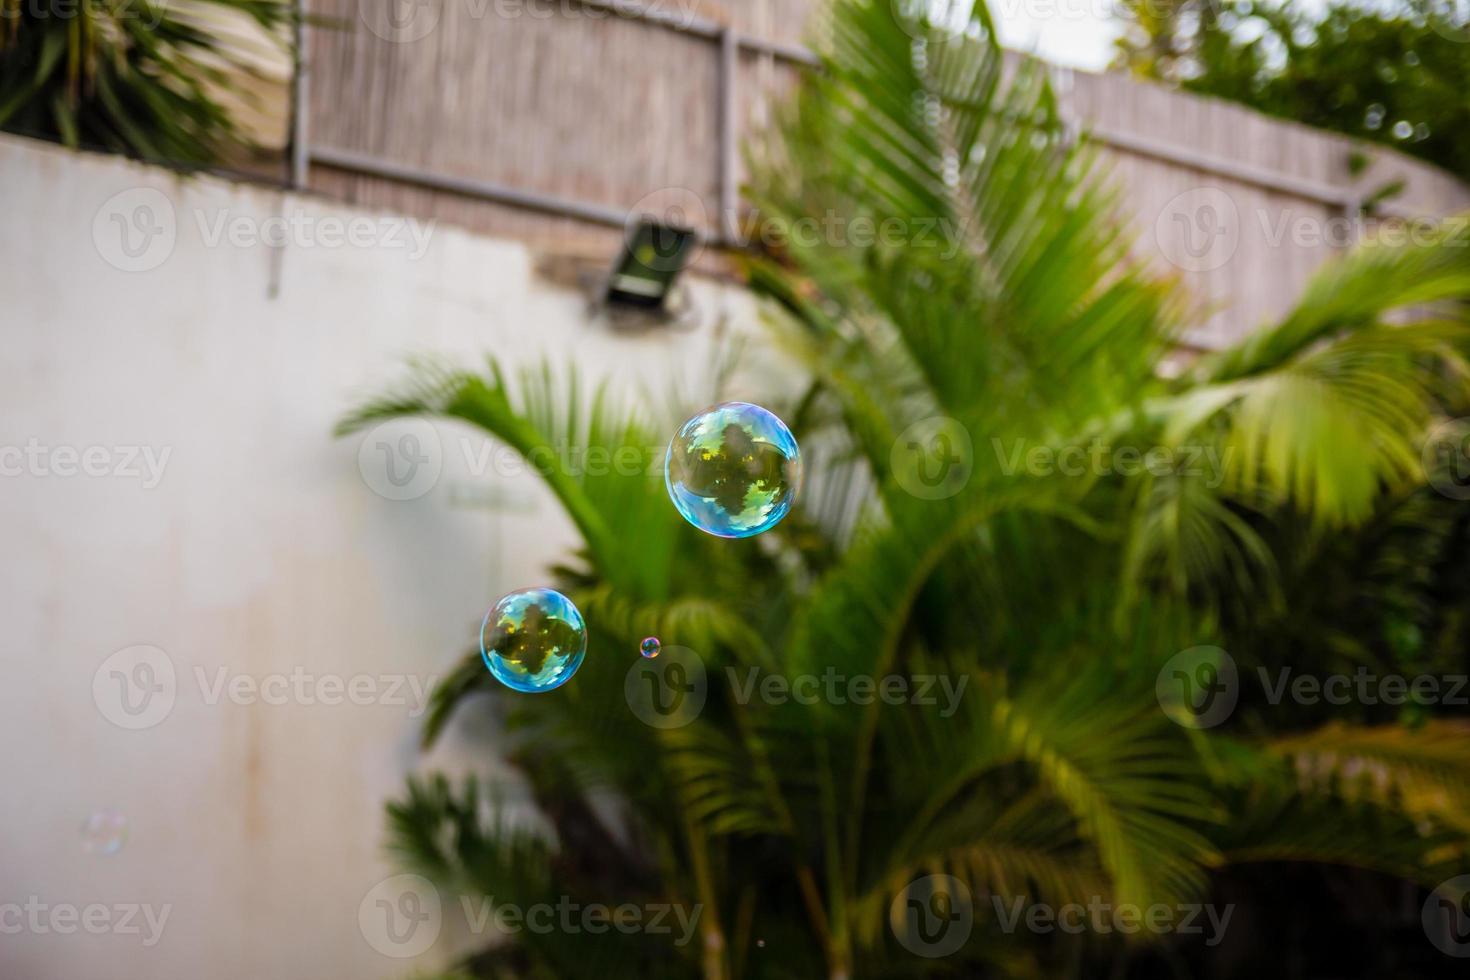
<point>1078,33</point>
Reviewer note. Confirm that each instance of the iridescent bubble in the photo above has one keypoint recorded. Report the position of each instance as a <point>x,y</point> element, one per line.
<point>533,640</point>
<point>733,470</point>
<point>104,832</point>
<point>650,646</point>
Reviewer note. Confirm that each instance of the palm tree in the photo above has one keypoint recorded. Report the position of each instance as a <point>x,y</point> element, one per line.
<point>1018,314</point>
<point>164,81</point>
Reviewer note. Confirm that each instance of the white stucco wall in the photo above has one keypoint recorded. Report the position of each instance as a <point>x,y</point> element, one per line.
<point>255,548</point>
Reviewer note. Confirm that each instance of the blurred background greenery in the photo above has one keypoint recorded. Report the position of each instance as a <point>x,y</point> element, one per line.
<point>1391,73</point>
<point>165,81</point>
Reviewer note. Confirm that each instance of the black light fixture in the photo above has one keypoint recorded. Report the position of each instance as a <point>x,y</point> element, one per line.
<point>653,255</point>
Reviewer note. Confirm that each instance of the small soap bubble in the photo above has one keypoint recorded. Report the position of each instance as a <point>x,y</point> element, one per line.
<point>533,640</point>
<point>104,832</point>
<point>733,470</point>
<point>650,646</point>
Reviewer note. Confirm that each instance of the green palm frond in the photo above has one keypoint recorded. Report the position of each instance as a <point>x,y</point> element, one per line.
<point>1276,823</point>
<point>1324,414</point>
<point>1425,771</point>
<point>696,621</point>
<point>1134,791</point>
<point>468,676</point>
<point>441,833</point>
<point>1038,803</point>
<point>727,782</point>
<point>1368,287</point>
<point>1014,283</point>
<point>163,81</point>
<point>1333,427</point>
<point>999,840</point>
<point>598,458</point>
<point>1187,535</point>
<point>490,865</point>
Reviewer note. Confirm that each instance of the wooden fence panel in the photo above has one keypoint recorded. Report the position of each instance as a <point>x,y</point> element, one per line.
<point>1242,207</point>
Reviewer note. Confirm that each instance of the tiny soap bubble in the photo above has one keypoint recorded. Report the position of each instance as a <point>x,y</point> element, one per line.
<point>104,832</point>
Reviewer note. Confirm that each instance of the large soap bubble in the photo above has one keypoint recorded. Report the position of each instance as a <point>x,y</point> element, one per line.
<point>733,470</point>
<point>533,640</point>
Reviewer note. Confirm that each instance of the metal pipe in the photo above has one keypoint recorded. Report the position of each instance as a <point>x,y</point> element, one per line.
<point>729,106</point>
<point>363,163</point>
<point>794,53</point>
<point>687,22</point>
<point>300,154</point>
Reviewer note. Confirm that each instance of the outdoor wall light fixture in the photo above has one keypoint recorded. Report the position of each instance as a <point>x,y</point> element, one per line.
<point>653,255</point>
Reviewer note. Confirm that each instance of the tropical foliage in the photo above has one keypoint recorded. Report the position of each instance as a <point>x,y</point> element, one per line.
<point>1011,306</point>
<point>148,78</point>
<point>1389,73</point>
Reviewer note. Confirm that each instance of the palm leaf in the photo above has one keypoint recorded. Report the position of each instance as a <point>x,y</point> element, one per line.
<point>154,80</point>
